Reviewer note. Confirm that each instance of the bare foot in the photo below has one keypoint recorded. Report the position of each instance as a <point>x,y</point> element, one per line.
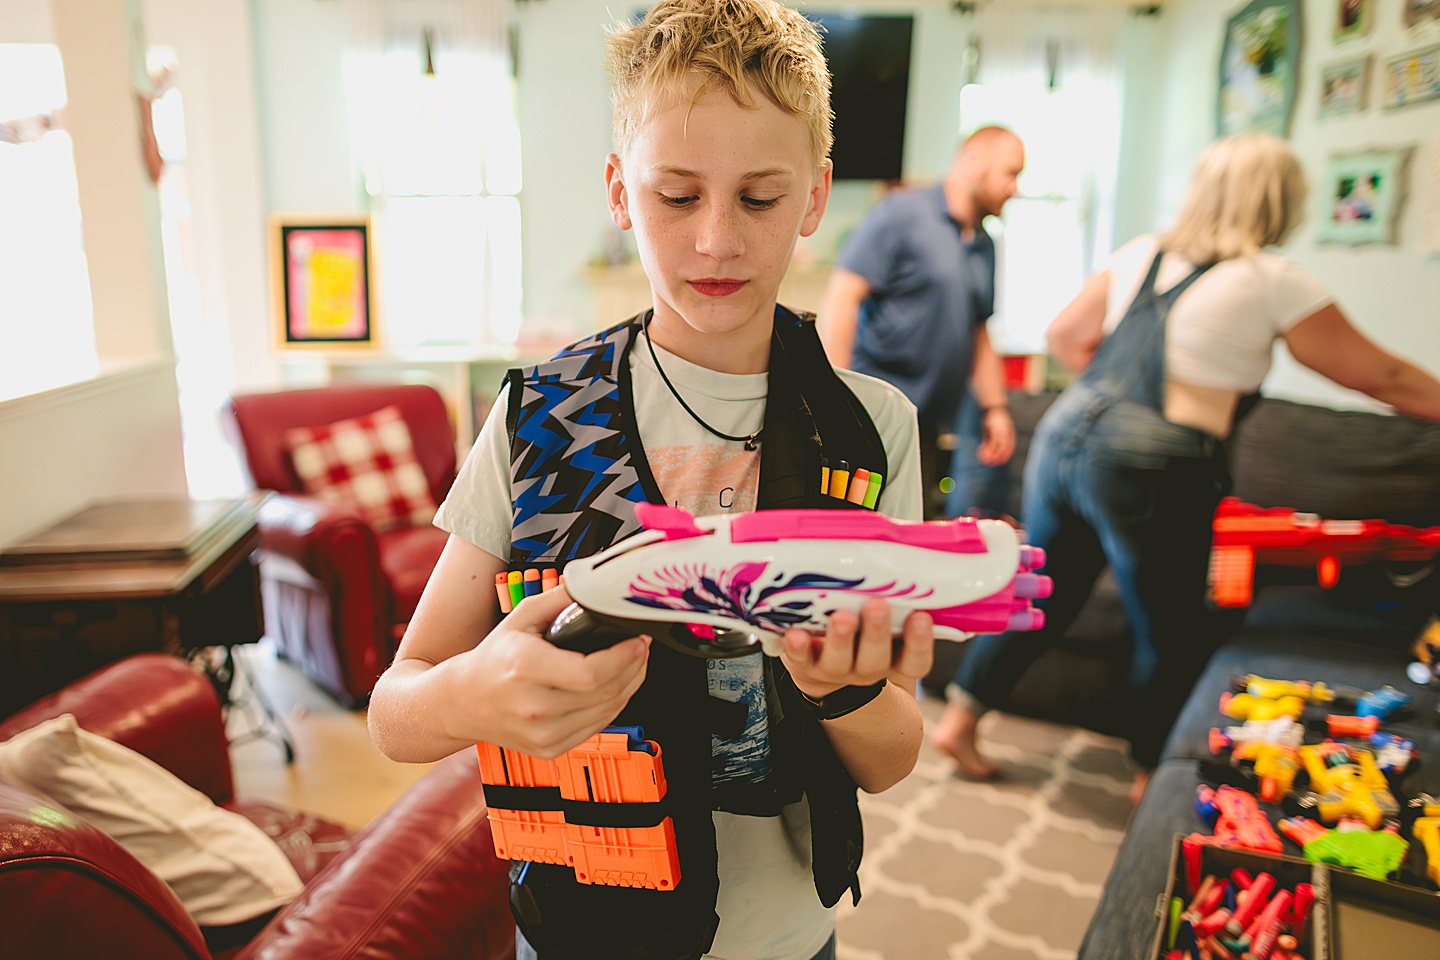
<point>1137,787</point>
<point>955,735</point>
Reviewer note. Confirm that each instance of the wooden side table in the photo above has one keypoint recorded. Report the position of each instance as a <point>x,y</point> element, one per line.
<point>121,577</point>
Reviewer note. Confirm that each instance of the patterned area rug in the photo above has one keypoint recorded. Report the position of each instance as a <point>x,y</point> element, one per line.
<point>1007,870</point>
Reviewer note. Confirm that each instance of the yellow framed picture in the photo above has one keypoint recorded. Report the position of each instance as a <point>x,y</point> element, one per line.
<point>321,280</point>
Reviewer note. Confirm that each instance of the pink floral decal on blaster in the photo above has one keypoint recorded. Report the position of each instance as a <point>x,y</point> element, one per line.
<point>745,592</point>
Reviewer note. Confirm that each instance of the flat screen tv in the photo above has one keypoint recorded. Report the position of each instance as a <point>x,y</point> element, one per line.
<point>869,59</point>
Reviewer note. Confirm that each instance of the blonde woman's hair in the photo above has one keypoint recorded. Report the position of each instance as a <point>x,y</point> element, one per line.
<point>735,46</point>
<point>1247,193</point>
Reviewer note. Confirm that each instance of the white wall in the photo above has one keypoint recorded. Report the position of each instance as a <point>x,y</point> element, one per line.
<point>1392,293</point>
<point>119,435</point>
<point>300,90</point>
<point>224,177</point>
<point>565,132</point>
<point>114,437</point>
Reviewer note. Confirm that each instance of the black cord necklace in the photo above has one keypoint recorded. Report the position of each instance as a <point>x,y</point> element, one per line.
<point>752,441</point>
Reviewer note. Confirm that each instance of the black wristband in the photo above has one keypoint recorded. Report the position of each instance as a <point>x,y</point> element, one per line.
<point>838,703</point>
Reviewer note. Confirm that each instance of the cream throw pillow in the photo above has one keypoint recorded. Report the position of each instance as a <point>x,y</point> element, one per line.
<point>222,867</point>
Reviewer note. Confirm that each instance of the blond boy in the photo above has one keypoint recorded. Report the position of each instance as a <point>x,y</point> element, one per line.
<point>725,404</point>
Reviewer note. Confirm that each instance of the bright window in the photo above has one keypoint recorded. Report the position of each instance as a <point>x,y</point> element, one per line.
<point>47,332</point>
<point>433,125</point>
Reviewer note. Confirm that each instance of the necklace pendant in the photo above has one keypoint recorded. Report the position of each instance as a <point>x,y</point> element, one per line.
<point>752,442</point>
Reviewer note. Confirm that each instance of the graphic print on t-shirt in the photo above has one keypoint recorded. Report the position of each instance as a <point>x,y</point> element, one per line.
<point>706,479</point>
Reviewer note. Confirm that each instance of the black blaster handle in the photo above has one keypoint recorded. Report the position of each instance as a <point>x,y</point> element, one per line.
<point>579,629</point>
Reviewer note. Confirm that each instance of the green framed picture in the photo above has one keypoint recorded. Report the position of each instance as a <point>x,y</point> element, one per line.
<point>1259,64</point>
<point>1361,194</point>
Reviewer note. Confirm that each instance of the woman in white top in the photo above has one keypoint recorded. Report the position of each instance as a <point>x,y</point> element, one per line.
<point>1126,469</point>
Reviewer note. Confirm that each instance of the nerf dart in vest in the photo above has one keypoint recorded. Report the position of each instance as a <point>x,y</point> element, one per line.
<point>726,586</point>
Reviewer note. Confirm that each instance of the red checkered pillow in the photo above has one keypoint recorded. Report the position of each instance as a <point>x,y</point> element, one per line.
<point>367,463</point>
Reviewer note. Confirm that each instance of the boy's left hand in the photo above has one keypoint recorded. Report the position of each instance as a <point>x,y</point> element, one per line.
<point>859,651</point>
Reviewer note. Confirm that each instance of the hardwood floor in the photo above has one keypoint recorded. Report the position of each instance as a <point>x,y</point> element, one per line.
<point>337,772</point>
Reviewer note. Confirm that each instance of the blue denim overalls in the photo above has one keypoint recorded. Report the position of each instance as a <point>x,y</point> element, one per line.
<point>1110,480</point>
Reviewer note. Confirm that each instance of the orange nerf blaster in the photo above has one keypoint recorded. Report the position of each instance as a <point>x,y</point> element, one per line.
<point>1347,783</point>
<point>1245,534</point>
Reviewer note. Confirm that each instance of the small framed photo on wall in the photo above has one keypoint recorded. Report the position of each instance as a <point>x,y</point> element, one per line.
<point>1361,195</point>
<point>1344,86</point>
<point>1411,78</point>
<point>1353,18</point>
<point>1418,11</point>
<point>321,281</point>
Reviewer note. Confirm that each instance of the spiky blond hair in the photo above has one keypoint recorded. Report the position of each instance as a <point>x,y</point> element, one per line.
<point>685,48</point>
<point>1247,193</point>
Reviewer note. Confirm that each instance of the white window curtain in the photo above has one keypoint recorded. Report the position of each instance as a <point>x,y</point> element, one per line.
<point>1054,76</point>
<point>47,333</point>
<point>431,101</point>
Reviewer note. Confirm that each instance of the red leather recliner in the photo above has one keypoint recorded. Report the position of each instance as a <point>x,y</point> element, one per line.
<point>337,593</point>
<point>421,881</point>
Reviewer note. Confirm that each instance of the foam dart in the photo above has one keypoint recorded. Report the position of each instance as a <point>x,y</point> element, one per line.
<point>840,480</point>
<point>1208,901</point>
<point>859,484</point>
<point>1212,924</point>
<point>532,582</point>
<point>1201,894</point>
<point>502,592</point>
<point>1270,923</point>
<point>549,579</point>
<point>1248,906</point>
<point>1300,909</point>
<point>872,491</point>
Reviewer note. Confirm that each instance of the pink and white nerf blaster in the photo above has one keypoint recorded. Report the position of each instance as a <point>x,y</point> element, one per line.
<point>727,586</point>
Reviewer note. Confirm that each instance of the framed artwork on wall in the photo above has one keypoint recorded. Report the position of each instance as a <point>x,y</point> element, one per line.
<point>1411,78</point>
<point>1259,64</point>
<point>1353,18</point>
<point>320,278</point>
<point>1344,86</point>
<point>1361,195</point>
<point>1416,11</point>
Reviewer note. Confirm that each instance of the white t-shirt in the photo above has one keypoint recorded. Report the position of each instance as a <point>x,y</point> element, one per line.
<point>1221,331</point>
<point>767,903</point>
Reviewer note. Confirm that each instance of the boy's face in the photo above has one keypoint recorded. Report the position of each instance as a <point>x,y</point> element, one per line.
<point>717,194</point>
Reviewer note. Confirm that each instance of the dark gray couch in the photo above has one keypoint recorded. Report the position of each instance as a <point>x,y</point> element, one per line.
<point>1339,465</point>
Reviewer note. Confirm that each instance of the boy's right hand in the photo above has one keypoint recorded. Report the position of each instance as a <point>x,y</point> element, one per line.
<point>527,694</point>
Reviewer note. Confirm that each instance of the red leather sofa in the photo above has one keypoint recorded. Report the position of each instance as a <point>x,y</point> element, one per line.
<point>421,881</point>
<point>337,593</point>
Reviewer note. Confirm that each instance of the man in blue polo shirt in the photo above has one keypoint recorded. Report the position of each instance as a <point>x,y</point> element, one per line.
<point>909,297</point>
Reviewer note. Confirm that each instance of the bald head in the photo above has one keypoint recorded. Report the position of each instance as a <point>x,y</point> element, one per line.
<point>987,140</point>
<point>984,174</point>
